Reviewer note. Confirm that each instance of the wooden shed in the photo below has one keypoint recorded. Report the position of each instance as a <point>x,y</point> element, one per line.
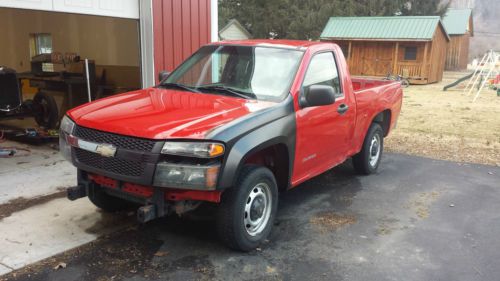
<point>459,25</point>
<point>412,46</point>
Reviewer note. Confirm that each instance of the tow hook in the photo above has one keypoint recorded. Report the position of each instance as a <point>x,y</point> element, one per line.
<point>146,213</point>
<point>76,192</point>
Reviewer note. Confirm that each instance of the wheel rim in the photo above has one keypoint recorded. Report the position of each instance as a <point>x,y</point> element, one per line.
<point>374,150</point>
<point>257,209</point>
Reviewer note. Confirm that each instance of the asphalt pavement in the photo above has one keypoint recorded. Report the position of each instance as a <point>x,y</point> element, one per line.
<point>416,219</point>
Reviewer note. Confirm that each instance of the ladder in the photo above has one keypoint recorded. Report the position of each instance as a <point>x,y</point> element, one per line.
<point>486,69</point>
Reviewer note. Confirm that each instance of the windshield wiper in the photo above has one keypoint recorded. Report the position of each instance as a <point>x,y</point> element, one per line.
<point>180,86</point>
<point>241,94</point>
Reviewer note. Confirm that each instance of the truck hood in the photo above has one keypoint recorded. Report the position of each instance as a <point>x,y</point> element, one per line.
<point>163,113</point>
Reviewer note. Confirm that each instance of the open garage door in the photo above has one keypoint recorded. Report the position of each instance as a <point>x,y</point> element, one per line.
<point>110,8</point>
<point>48,51</point>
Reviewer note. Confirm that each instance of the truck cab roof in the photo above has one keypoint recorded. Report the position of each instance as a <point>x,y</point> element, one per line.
<point>286,44</point>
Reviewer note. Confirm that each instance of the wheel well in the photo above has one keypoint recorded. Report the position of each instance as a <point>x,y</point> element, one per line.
<point>384,119</point>
<point>275,158</point>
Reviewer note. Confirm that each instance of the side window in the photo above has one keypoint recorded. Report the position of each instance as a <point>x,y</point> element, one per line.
<point>323,71</point>
<point>411,53</point>
<point>40,43</point>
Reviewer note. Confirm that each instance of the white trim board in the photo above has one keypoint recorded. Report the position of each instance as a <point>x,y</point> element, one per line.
<point>110,8</point>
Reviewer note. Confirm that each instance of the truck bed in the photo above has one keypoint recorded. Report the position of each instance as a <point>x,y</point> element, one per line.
<point>373,95</point>
<point>361,84</point>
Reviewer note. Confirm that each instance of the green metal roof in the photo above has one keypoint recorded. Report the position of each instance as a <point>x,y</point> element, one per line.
<point>456,21</point>
<point>385,28</point>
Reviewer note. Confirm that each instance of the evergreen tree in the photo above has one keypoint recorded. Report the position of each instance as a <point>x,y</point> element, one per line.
<point>305,19</point>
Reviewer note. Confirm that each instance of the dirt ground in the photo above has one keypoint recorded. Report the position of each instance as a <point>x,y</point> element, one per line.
<point>448,125</point>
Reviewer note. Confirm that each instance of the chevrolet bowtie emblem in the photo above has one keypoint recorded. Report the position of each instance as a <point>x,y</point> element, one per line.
<point>106,150</point>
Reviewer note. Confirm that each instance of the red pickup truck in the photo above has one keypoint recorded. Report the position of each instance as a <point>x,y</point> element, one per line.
<point>234,125</point>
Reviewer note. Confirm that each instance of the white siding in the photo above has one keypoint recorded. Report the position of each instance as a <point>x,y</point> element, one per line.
<point>233,33</point>
<point>28,4</point>
<point>111,8</point>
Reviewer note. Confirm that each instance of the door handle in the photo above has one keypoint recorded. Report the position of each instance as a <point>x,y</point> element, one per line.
<point>342,109</point>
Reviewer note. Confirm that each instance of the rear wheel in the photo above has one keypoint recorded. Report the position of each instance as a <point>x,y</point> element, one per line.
<point>45,110</point>
<point>368,159</point>
<point>247,211</point>
<point>107,202</point>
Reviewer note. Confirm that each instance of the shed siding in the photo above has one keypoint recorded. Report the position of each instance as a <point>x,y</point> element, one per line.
<point>438,56</point>
<point>180,27</point>
<point>458,52</point>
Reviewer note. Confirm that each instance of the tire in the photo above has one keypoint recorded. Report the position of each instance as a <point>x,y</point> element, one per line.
<point>45,110</point>
<point>242,221</point>
<point>366,161</point>
<point>106,202</point>
<point>405,83</point>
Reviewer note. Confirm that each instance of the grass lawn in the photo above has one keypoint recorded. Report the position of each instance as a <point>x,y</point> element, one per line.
<point>448,125</point>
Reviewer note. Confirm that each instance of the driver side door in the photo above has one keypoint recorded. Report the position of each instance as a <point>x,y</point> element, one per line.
<point>323,132</point>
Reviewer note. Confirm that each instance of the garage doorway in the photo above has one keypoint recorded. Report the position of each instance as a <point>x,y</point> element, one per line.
<point>48,48</point>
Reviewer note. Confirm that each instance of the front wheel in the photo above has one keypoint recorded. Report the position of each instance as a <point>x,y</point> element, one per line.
<point>247,211</point>
<point>368,159</point>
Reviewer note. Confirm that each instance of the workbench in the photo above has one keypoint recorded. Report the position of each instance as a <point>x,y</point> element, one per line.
<point>60,82</point>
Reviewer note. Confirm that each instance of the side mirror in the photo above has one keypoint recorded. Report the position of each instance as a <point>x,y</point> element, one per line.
<point>163,75</point>
<point>318,95</point>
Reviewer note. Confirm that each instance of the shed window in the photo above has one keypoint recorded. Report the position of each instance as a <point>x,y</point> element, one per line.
<point>345,50</point>
<point>410,53</point>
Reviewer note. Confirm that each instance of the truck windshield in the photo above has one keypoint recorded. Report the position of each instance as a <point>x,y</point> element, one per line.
<point>263,73</point>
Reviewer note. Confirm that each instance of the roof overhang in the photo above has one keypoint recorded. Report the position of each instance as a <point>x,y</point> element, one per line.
<point>376,39</point>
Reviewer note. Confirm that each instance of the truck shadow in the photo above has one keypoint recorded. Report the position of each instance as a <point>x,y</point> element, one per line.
<point>333,191</point>
<point>176,248</point>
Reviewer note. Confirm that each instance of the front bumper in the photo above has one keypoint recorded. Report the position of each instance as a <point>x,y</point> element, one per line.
<point>156,201</point>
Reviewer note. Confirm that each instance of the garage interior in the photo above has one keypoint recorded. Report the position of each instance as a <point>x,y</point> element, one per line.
<point>48,49</point>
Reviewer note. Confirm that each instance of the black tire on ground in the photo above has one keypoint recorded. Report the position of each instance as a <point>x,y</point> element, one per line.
<point>107,202</point>
<point>241,207</point>
<point>45,110</point>
<point>366,161</point>
<point>405,83</point>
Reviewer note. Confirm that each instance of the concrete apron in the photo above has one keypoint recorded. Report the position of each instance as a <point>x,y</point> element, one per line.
<point>41,171</point>
<point>45,230</point>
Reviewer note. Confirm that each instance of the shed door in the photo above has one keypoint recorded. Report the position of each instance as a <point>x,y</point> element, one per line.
<point>376,59</point>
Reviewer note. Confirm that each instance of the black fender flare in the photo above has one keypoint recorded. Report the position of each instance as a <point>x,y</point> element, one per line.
<point>280,131</point>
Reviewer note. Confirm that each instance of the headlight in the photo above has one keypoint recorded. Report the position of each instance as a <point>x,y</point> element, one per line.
<point>67,127</point>
<point>193,149</point>
<point>186,176</point>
